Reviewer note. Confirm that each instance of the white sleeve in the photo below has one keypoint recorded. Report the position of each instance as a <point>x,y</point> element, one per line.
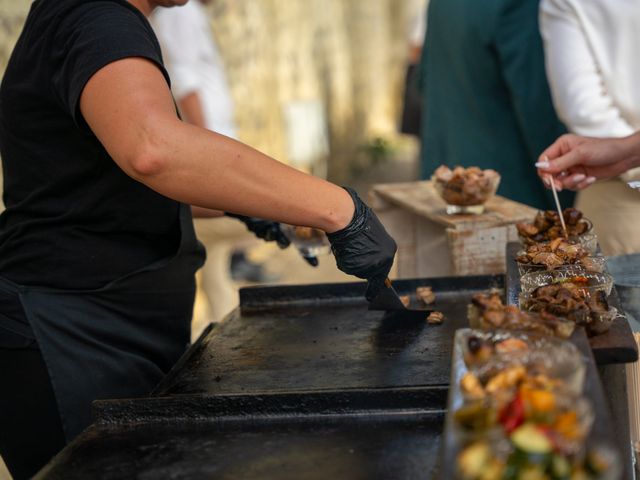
<point>176,30</point>
<point>579,94</point>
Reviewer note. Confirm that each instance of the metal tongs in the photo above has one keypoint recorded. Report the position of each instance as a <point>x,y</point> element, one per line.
<point>388,299</point>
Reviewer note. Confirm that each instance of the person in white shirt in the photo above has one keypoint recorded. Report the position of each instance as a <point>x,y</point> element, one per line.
<point>591,60</point>
<point>198,80</point>
<point>200,88</point>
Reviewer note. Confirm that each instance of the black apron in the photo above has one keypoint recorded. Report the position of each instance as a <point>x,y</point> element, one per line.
<point>117,341</point>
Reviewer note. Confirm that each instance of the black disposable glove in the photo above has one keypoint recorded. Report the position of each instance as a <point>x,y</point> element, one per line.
<point>364,248</point>
<point>265,229</point>
<point>270,232</point>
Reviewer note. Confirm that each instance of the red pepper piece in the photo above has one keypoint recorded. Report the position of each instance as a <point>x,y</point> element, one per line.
<point>513,414</point>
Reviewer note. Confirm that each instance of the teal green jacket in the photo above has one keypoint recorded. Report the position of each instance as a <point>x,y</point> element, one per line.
<point>486,100</point>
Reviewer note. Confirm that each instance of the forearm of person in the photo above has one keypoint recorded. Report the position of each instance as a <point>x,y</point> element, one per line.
<point>632,143</point>
<point>203,168</point>
<point>129,108</point>
<point>190,107</point>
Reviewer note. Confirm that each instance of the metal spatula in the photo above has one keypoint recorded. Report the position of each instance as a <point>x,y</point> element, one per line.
<point>389,300</point>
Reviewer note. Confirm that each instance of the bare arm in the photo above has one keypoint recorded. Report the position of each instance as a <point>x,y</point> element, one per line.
<point>191,109</point>
<point>128,106</point>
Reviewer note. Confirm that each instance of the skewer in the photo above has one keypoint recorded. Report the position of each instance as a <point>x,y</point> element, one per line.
<point>558,207</point>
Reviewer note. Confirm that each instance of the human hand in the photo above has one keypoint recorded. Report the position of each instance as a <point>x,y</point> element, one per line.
<point>364,248</point>
<point>267,230</point>
<point>575,162</point>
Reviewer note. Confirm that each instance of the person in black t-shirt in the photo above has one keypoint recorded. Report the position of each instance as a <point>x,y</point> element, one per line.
<point>97,251</point>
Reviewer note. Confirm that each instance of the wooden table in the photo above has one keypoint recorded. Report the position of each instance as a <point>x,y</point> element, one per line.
<point>434,244</point>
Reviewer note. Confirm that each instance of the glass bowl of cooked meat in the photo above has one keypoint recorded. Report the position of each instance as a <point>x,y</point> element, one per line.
<point>465,190</point>
<point>309,241</point>
<point>572,277</point>
<point>487,312</point>
<point>588,308</point>
<point>546,226</point>
<point>558,254</point>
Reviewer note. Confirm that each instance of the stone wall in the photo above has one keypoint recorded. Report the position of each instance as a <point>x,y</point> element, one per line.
<point>346,55</point>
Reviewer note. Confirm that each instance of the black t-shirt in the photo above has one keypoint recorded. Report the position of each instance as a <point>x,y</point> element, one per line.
<point>73,218</point>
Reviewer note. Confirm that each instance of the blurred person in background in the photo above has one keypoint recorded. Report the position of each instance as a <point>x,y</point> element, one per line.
<point>412,101</point>
<point>486,99</point>
<point>200,88</point>
<point>594,74</point>
<point>97,246</point>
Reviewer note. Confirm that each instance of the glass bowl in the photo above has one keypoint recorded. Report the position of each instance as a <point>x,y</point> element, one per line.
<point>596,280</point>
<point>593,263</point>
<point>532,323</point>
<point>551,356</point>
<point>598,322</point>
<point>461,200</point>
<point>309,241</point>
<point>560,361</point>
<point>588,239</point>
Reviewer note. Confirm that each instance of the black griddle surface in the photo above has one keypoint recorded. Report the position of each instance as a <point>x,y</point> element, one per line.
<point>324,337</point>
<point>374,447</point>
<point>299,383</point>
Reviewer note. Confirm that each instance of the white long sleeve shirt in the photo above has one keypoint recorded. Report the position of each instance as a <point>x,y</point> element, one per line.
<point>591,51</point>
<point>194,64</point>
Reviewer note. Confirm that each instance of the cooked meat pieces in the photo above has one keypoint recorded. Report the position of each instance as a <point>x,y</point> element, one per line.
<point>569,300</point>
<point>487,301</point>
<point>425,295</point>
<point>488,311</point>
<point>465,186</point>
<point>550,260</point>
<point>546,225</point>
<point>553,254</point>
<point>527,229</point>
<point>435,318</point>
<point>443,174</point>
<point>572,216</point>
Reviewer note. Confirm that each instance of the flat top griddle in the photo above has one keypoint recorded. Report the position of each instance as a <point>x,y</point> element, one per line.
<point>319,337</point>
<point>301,382</point>
<point>355,447</point>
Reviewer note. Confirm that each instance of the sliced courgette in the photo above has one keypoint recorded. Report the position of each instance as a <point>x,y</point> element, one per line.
<point>530,439</point>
